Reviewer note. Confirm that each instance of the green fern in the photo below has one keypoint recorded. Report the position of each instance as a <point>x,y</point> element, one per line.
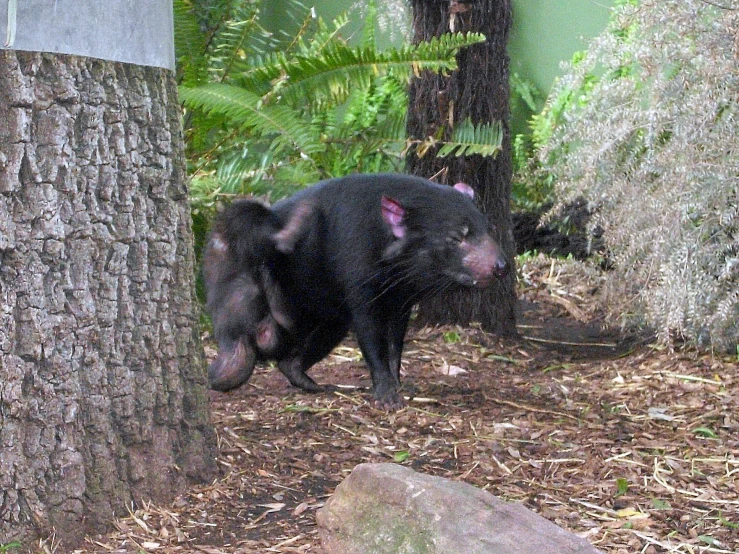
<point>469,139</point>
<point>190,44</point>
<point>264,115</point>
<point>237,38</point>
<point>341,67</point>
<point>245,109</point>
<point>330,73</point>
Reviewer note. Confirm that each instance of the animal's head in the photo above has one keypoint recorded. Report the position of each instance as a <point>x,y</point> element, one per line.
<point>443,236</point>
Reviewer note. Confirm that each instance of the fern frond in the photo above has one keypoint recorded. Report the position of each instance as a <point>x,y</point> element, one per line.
<point>469,139</point>
<point>190,45</point>
<point>294,14</point>
<point>330,74</point>
<point>342,67</point>
<point>232,44</point>
<point>263,73</point>
<point>244,108</point>
<point>446,46</point>
<point>277,115</point>
<point>389,128</point>
<point>321,37</point>
<point>369,32</point>
<point>253,174</point>
<point>367,106</point>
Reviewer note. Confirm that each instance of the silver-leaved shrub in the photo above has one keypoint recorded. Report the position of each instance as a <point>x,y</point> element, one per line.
<point>651,140</point>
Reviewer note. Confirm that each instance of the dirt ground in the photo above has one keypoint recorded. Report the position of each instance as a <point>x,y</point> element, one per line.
<point>630,445</point>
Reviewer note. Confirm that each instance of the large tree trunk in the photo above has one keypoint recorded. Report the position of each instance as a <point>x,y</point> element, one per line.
<point>477,90</point>
<point>102,394</point>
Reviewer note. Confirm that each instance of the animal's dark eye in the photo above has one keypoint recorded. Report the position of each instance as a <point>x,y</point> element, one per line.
<point>458,235</point>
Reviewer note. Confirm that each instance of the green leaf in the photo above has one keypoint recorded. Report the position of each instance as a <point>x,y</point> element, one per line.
<point>526,90</point>
<point>622,486</point>
<point>401,456</point>
<point>190,44</point>
<point>451,337</point>
<point>339,68</point>
<point>485,139</point>
<point>705,432</point>
<point>726,523</point>
<point>232,44</point>
<point>661,504</point>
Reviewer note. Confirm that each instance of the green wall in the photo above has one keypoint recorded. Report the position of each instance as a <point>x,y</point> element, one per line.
<point>545,33</point>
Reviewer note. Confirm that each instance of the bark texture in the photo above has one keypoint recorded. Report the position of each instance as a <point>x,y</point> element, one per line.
<point>102,387</point>
<point>477,90</point>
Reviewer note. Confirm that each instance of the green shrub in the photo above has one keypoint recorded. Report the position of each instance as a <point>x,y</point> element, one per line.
<point>652,145</point>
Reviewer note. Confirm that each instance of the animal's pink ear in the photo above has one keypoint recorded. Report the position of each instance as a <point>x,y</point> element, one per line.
<point>464,188</point>
<point>393,213</point>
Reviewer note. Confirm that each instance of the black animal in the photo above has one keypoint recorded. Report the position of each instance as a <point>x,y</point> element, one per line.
<point>373,246</point>
<point>251,319</point>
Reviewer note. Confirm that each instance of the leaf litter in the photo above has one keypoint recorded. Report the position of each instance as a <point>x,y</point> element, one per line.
<point>628,444</point>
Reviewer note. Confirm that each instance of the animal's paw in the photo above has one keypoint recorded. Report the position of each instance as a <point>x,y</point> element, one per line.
<point>232,368</point>
<point>389,401</point>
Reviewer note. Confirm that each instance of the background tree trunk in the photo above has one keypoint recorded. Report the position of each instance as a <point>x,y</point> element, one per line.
<point>477,90</point>
<point>102,389</point>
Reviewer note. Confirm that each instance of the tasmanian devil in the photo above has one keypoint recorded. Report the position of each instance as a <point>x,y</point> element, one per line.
<point>251,319</point>
<point>373,246</point>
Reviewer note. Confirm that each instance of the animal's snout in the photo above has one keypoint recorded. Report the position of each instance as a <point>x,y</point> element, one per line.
<point>484,260</point>
<point>500,268</point>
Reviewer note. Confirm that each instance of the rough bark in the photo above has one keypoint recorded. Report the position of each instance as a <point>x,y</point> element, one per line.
<point>102,388</point>
<point>477,90</point>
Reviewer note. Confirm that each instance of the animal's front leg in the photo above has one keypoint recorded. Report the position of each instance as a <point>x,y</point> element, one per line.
<point>372,332</point>
<point>396,336</point>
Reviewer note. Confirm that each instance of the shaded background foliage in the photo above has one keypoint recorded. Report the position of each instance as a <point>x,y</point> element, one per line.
<point>271,113</point>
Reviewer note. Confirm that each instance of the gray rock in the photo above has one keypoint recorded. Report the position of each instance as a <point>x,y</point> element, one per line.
<point>390,509</point>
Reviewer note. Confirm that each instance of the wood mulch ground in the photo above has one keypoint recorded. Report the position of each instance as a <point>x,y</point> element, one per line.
<point>628,444</point>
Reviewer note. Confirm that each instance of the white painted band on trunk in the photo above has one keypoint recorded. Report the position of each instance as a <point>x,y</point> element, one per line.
<point>131,31</point>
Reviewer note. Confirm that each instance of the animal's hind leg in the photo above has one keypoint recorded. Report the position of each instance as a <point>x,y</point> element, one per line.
<point>233,366</point>
<point>317,346</point>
